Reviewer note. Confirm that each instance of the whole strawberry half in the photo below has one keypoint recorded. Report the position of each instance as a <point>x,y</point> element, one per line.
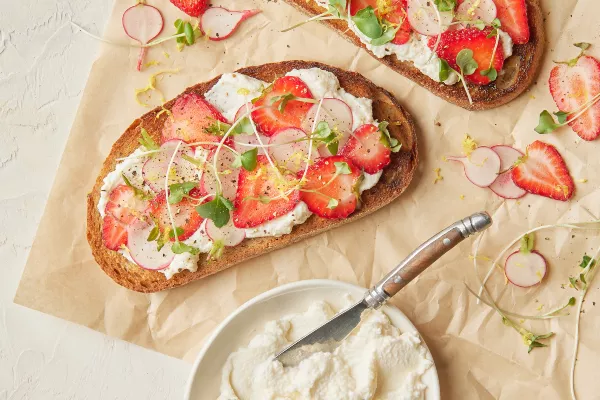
<point>513,19</point>
<point>193,8</point>
<point>367,150</point>
<point>393,11</point>
<point>274,117</point>
<point>329,194</point>
<point>191,120</point>
<point>453,41</point>
<point>263,194</point>
<point>573,87</point>
<point>544,173</point>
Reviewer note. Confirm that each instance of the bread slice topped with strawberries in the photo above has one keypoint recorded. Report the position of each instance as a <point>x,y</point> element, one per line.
<point>247,163</point>
<point>478,54</point>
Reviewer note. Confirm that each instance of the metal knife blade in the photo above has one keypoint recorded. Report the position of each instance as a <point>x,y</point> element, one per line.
<point>325,338</point>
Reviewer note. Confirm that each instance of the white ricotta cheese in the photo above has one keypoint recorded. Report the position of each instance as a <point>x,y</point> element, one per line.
<point>369,180</point>
<point>225,97</point>
<point>282,225</point>
<point>376,361</point>
<point>187,261</point>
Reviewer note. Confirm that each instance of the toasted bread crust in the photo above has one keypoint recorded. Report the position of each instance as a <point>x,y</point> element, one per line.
<point>395,179</point>
<point>527,57</point>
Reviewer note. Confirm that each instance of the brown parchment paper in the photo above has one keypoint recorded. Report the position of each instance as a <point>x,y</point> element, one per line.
<point>477,356</point>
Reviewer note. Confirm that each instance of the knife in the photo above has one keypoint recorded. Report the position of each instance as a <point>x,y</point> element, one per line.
<point>328,336</point>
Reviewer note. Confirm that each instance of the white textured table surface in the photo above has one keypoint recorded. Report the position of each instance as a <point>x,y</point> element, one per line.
<point>44,66</point>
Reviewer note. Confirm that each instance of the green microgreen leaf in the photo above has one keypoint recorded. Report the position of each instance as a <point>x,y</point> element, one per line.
<point>465,61</point>
<point>244,126</point>
<point>139,193</point>
<point>342,168</point>
<point>333,203</point>
<point>178,191</point>
<point>445,5</point>
<point>217,210</point>
<point>479,24</point>
<point>546,123</point>
<point>389,32</point>
<point>218,128</point>
<point>190,37</point>
<point>337,7</point>
<point>573,282</point>
<point>248,159</point>
<point>527,243</point>
<point>333,147</point>
<point>179,26</point>
<point>491,73</point>
<point>180,247</point>
<point>198,163</point>
<point>387,139</point>
<point>561,116</point>
<point>153,235</point>
<point>179,230</point>
<point>146,141</point>
<point>583,46</point>
<point>586,260</point>
<point>444,70</point>
<point>283,99</point>
<point>496,23</point>
<point>366,21</point>
<point>216,250</point>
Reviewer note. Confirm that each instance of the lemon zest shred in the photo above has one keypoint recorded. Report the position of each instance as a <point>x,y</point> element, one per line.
<point>152,86</point>
<point>582,180</point>
<point>438,175</point>
<point>468,145</point>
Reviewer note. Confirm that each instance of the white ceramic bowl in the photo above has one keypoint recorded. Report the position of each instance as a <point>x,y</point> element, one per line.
<point>240,327</point>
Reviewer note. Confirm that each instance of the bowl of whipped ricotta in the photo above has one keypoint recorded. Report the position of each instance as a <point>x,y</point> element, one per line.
<point>383,358</point>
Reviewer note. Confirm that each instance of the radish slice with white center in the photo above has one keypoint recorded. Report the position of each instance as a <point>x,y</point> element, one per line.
<point>424,19</point>
<point>145,253</point>
<point>219,23</point>
<point>289,147</point>
<point>526,267</point>
<point>142,23</point>
<point>472,10</point>
<point>154,170</point>
<point>228,175</point>
<point>338,116</point>
<point>243,110</point>
<point>504,186</point>
<point>481,167</point>
<point>246,142</point>
<point>228,234</point>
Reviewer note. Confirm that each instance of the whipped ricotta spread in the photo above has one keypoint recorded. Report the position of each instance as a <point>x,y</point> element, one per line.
<point>231,92</point>
<point>376,361</point>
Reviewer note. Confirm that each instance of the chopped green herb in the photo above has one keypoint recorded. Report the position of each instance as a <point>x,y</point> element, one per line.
<point>217,210</point>
<point>147,142</point>
<point>180,247</point>
<point>178,191</point>
<point>367,22</point>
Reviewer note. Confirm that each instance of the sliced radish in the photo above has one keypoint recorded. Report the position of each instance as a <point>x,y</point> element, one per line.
<point>219,23</point>
<point>289,147</point>
<point>338,116</point>
<point>526,267</point>
<point>481,167</point>
<point>142,23</point>
<point>154,170</point>
<point>504,186</point>
<point>471,10</point>
<point>245,142</point>
<point>145,253</point>
<point>227,175</point>
<point>228,234</point>
<point>243,110</point>
<point>424,19</point>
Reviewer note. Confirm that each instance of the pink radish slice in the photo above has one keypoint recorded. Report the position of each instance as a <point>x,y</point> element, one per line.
<point>482,167</point>
<point>525,269</point>
<point>229,235</point>
<point>287,152</point>
<point>219,23</point>
<point>252,140</point>
<point>472,10</point>
<point>154,170</point>
<point>504,186</point>
<point>424,19</point>
<point>145,253</point>
<point>227,175</point>
<point>243,110</point>
<point>337,114</point>
<point>142,23</point>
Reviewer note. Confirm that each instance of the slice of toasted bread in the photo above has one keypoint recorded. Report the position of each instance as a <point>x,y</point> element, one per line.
<point>396,177</point>
<point>521,68</point>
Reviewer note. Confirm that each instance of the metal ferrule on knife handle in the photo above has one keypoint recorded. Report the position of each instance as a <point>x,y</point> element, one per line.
<point>424,256</point>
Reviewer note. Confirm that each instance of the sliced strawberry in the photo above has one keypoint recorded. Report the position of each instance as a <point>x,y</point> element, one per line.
<point>263,183</point>
<point>367,150</point>
<point>453,41</point>
<point>193,8</point>
<point>114,234</point>
<point>572,87</point>
<point>269,120</point>
<point>392,10</point>
<point>513,18</point>
<point>124,205</point>
<point>189,120</point>
<point>184,214</point>
<point>323,187</point>
<point>544,172</point>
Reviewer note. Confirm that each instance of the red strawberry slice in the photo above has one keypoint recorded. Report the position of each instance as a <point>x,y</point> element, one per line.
<point>190,118</point>
<point>366,149</point>
<point>513,18</point>
<point>269,120</point>
<point>184,214</point>
<point>262,183</point>
<point>323,186</point>
<point>394,11</point>
<point>124,206</point>
<point>114,234</point>
<point>453,41</point>
<point>193,8</point>
<point>544,172</point>
<point>572,87</point>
